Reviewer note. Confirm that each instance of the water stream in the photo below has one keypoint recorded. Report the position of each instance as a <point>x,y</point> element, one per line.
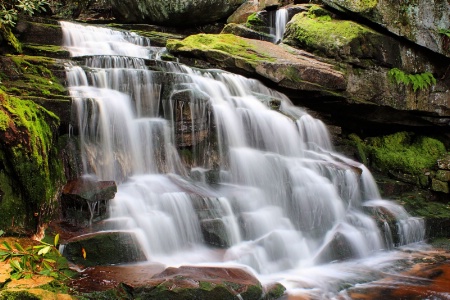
<point>202,159</point>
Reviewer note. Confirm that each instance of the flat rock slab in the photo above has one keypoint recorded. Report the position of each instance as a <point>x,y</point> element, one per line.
<point>285,66</point>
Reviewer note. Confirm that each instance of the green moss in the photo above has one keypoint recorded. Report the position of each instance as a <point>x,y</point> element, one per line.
<point>10,38</point>
<point>228,44</point>
<point>254,20</point>
<point>29,158</point>
<point>359,5</point>
<point>36,78</point>
<point>324,34</point>
<point>360,147</point>
<point>405,152</point>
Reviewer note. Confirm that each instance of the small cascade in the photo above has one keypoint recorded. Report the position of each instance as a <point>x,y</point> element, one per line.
<point>278,20</point>
<point>201,159</point>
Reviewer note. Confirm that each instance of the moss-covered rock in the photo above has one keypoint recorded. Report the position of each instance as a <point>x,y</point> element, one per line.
<point>30,174</point>
<point>283,66</point>
<point>419,21</point>
<point>8,39</point>
<point>317,30</point>
<point>400,153</point>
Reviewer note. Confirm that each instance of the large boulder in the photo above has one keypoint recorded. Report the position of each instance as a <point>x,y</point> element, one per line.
<point>285,67</point>
<point>174,12</point>
<point>424,22</point>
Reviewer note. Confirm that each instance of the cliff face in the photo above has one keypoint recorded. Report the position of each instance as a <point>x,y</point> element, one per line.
<point>424,22</point>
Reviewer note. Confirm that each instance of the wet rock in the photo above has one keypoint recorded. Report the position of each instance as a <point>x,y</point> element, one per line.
<point>84,201</point>
<point>174,12</point>
<point>201,283</point>
<point>337,248</point>
<point>104,248</point>
<point>444,163</point>
<point>439,186</point>
<point>215,233</point>
<point>48,33</point>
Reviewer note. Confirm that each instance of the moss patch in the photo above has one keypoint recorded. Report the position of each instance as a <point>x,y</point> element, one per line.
<point>405,152</point>
<point>359,5</point>
<point>315,30</point>
<point>10,38</point>
<point>29,161</point>
<point>31,76</point>
<point>227,44</point>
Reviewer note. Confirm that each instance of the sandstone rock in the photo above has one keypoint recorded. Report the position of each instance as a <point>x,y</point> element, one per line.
<point>174,12</point>
<point>241,14</point>
<point>418,21</point>
<point>246,56</point>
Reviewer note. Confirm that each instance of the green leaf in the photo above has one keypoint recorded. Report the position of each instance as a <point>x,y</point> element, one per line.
<point>56,240</point>
<point>52,261</point>
<point>5,243</point>
<point>16,275</point>
<point>1,232</point>
<point>28,276</point>
<point>44,250</point>
<point>19,247</point>
<point>15,265</point>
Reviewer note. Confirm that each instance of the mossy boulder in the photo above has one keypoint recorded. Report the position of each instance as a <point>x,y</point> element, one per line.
<point>423,22</point>
<point>30,173</point>
<point>318,30</point>
<point>285,67</point>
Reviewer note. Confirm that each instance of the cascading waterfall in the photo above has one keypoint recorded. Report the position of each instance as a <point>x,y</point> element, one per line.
<point>279,22</point>
<point>270,183</point>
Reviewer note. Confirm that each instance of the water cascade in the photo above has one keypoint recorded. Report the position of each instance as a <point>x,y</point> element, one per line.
<point>201,159</point>
<point>278,23</point>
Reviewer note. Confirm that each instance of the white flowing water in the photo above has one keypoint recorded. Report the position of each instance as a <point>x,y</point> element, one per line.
<point>283,202</point>
<point>279,24</point>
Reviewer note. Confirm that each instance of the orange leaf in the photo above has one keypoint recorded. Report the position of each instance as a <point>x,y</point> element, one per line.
<point>83,252</point>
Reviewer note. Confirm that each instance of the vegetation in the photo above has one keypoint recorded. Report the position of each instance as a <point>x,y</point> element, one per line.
<point>26,262</point>
<point>402,151</point>
<point>444,32</point>
<point>418,81</point>
<point>10,9</point>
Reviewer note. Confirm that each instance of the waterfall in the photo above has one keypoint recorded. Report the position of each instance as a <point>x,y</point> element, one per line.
<point>201,153</point>
<point>278,21</point>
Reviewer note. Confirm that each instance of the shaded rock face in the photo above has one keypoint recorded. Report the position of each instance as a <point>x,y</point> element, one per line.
<point>422,22</point>
<point>174,12</point>
<point>104,248</point>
